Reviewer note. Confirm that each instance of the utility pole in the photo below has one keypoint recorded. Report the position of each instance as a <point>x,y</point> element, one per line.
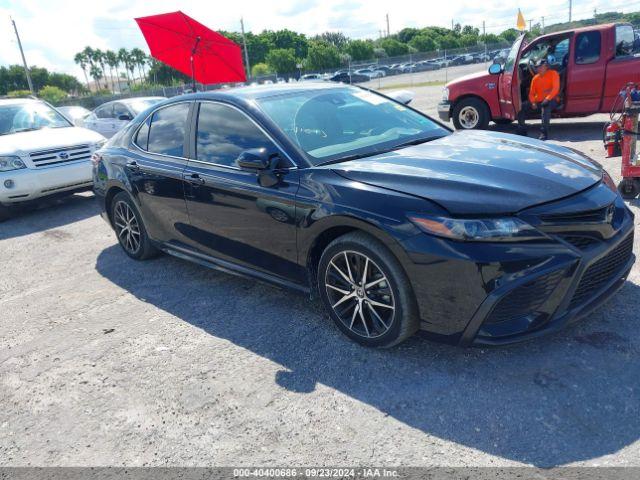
<point>452,24</point>
<point>542,24</point>
<point>246,54</point>
<point>570,2</point>
<point>24,60</point>
<point>484,37</point>
<point>388,31</point>
<point>529,24</point>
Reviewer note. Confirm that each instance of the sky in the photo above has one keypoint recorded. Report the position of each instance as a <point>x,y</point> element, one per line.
<point>52,31</point>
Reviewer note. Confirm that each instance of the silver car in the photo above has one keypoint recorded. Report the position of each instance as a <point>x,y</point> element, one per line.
<point>109,118</point>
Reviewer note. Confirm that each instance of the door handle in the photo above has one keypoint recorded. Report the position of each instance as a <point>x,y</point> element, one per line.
<point>196,179</point>
<point>133,166</point>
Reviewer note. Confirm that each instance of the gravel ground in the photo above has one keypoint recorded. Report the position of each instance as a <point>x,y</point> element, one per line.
<point>105,361</point>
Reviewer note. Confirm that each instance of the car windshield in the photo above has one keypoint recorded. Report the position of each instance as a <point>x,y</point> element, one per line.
<point>140,105</point>
<point>330,125</point>
<point>29,115</point>
<point>513,53</point>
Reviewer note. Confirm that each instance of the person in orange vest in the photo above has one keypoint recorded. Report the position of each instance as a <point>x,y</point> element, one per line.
<point>543,97</point>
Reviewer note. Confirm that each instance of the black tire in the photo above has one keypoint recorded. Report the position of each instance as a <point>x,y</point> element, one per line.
<point>5,213</point>
<point>397,317</point>
<point>503,121</point>
<point>629,188</point>
<point>471,114</point>
<point>125,212</point>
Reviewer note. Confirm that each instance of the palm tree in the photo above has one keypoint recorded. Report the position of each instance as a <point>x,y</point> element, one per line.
<point>89,55</point>
<point>131,65</point>
<point>139,58</point>
<point>96,73</point>
<point>123,58</point>
<point>111,58</point>
<point>98,56</point>
<point>81,59</point>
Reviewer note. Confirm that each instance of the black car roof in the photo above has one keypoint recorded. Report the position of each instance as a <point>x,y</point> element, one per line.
<point>261,91</point>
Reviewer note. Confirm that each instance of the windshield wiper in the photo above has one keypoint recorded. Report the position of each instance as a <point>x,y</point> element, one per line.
<point>416,141</point>
<point>355,156</point>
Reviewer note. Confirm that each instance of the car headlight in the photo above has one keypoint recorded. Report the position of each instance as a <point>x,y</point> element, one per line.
<point>11,163</point>
<point>445,94</point>
<point>507,229</point>
<point>608,181</point>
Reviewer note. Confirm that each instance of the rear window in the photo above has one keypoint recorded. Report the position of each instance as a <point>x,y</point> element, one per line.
<point>587,48</point>
<point>167,130</point>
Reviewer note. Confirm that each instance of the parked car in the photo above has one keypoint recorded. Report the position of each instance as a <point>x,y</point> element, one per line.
<point>426,66</point>
<point>353,77</point>
<point>75,113</point>
<point>398,224</point>
<point>370,73</point>
<point>310,77</point>
<point>109,118</point>
<point>41,153</point>
<point>594,63</point>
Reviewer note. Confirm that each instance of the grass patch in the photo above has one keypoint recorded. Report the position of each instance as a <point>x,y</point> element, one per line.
<point>432,83</point>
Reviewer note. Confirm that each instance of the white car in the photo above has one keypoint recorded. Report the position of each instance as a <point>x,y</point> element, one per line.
<point>111,117</point>
<point>41,153</point>
<point>74,113</point>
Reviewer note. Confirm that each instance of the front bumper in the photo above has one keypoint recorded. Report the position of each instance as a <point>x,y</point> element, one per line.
<point>444,111</point>
<point>34,183</point>
<point>495,294</point>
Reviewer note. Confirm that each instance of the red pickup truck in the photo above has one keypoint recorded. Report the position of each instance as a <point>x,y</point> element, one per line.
<point>594,64</point>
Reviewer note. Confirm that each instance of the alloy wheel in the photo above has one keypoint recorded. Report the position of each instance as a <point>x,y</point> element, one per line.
<point>360,294</point>
<point>469,117</point>
<point>127,227</point>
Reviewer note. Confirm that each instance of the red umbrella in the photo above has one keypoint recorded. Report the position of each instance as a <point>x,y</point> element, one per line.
<point>193,49</point>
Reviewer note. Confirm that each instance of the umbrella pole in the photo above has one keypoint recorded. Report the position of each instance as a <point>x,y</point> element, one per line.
<point>193,68</point>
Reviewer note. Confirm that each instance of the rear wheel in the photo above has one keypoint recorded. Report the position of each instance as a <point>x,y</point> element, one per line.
<point>471,114</point>
<point>366,291</point>
<point>130,230</point>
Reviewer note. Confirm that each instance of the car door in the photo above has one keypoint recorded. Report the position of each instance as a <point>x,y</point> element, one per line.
<point>100,118</point>
<point>585,73</point>
<point>155,170</point>
<point>232,216</point>
<point>508,83</point>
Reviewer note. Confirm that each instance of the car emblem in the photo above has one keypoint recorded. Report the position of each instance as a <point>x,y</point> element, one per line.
<point>63,155</point>
<point>610,212</point>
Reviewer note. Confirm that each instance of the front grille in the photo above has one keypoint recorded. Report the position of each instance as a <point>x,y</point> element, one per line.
<point>580,242</point>
<point>525,299</point>
<point>602,272</point>
<point>600,215</point>
<point>47,158</point>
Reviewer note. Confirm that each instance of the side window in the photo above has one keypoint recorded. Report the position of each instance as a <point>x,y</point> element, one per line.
<point>120,109</point>
<point>105,111</point>
<point>587,48</point>
<point>142,137</point>
<point>624,40</point>
<point>166,133</point>
<point>223,133</point>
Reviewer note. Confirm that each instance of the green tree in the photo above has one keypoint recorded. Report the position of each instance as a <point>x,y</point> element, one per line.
<point>282,60</point>
<point>510,35</point>
<point>111,59</point>
<point>322,56</point>
<point>337,39</point>
<point>288,39</point>
<point>449,41</point>
<point>260,69</point>
<point>360,49</point>
<point>407,34</point>
<point>52,94</point>
<point>18,93</point>
<point>139,58</point>
<point>123,58</point>
<point>393,47</point>
<point>423,43</point>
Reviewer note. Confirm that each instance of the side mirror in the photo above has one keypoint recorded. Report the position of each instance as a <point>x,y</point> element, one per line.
<point>254,159</point>
<point>495,69</point>
<point>125,117</point>
<point>402,96</point>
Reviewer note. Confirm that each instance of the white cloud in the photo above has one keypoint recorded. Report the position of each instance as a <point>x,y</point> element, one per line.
<point>53,31</point>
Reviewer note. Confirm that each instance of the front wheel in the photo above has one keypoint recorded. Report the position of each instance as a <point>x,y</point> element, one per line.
<point>366,292</point>
<point>130,229</point>
<point>471,114</point>
<point>629,188</point>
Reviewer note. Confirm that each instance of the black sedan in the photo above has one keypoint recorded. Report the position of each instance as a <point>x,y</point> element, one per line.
<point>396,222</point>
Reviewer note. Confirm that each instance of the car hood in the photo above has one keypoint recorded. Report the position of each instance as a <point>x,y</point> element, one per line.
<point>478,173</point>
<point>47,138</point>
<point>471,77</point>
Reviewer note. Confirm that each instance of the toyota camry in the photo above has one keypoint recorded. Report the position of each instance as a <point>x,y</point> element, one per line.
<point>397,223</point>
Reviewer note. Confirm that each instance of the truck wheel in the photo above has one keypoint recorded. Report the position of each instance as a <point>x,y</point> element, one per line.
<point>471,114</point>
<point>629,188</point>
